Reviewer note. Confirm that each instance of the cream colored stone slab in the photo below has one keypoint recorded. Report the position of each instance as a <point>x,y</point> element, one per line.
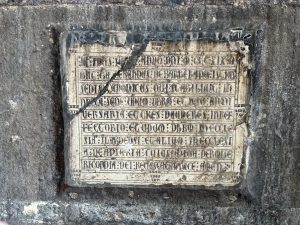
<point>177,117</point>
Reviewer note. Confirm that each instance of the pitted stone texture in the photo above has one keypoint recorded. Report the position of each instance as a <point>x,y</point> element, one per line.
<point>50,213</point>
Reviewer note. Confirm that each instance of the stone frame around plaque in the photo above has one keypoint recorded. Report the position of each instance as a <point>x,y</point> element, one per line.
<point>75,38</point>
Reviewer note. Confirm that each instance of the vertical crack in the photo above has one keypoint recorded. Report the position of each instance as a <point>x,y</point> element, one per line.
<point>128,64</point>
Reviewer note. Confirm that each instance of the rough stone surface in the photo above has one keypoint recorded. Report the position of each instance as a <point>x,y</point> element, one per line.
<point>31,149</point>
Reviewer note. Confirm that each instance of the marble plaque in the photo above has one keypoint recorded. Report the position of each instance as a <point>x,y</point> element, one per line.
<point>158,113</point>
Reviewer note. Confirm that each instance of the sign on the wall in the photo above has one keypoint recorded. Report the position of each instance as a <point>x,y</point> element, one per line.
<point>165,112</point>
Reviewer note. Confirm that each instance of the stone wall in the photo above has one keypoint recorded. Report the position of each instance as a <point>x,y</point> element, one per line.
<point>31,144</point>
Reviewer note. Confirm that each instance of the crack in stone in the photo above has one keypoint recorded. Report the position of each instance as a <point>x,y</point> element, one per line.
<point>128,64</point>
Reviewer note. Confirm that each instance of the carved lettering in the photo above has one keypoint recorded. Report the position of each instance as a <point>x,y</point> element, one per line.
<point>176,117</point>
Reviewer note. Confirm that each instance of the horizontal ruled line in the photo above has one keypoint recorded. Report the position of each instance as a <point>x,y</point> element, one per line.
<point>159,95</point>
<point>162,66</point>
<point>167,135</point>
<point>151,134</point>
<point>224,148</point>
<point>147,171</point>
<point>166,79</point>
<point>185,68</point>
<point>160,52</point>
<point>161,158</point>
<point>186,148</point>
<point>174,183</point>
<point>156,120</point>
<point>159,145</point>
<point>161,109</point>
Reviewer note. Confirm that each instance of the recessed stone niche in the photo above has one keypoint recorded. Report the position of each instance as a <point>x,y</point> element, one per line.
<point>156,111</point>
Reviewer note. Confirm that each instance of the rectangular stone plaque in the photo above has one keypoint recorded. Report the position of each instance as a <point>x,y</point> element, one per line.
<point>160,112</point>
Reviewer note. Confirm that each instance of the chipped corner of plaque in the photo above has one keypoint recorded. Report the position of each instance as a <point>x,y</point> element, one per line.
<point>243,50</point>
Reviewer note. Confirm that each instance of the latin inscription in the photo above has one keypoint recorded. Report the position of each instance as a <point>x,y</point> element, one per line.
<point>176,117</point>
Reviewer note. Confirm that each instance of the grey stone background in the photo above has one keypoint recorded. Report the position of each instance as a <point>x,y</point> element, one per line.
<point>32,190</point>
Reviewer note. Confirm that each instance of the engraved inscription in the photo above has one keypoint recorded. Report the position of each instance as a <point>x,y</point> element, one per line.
<point>176,117</point>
